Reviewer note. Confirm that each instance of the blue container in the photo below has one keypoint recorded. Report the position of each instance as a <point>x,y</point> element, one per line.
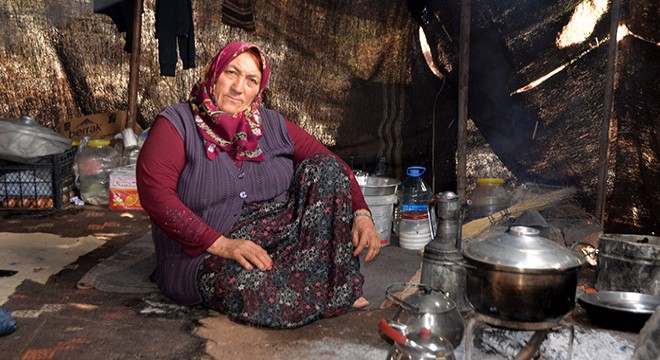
<point>415,193</point>
<point>414,196</point>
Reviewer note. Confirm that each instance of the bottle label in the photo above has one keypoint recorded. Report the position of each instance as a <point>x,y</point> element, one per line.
<point>413,207</point>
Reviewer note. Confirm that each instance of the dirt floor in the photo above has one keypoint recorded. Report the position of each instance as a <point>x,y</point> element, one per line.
<point>66,322</point>
<point>70,323</point>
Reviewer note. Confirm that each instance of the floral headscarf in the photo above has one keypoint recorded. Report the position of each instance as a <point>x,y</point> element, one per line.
<point>238,135</point>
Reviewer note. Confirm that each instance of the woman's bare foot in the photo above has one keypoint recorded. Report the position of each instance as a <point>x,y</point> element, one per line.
<point>360,303</point>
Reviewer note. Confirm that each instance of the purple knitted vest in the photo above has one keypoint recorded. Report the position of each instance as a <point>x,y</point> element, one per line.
<point>215,191</point>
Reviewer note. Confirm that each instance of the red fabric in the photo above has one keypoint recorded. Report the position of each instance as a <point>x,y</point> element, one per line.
<point>166,159</point>
<point>237,134</point>
<point>158,174</point>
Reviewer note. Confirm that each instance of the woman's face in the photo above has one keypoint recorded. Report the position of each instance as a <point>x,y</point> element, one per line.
<point>238,84</point>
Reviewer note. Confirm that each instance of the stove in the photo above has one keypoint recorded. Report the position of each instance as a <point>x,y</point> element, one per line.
<point>541,329</point>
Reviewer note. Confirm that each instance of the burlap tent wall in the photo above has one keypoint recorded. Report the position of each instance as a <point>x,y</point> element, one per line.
<point>328,60</point>
<point>352,74</point>
<point>551,132</point>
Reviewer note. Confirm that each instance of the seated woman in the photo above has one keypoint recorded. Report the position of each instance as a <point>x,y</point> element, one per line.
<point>251,216</point>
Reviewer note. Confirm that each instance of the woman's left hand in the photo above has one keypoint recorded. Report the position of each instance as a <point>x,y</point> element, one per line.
<point>366,235</point>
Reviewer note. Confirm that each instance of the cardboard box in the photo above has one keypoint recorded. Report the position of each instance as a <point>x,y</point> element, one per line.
<point>97,126</point>
<point>123,189</point>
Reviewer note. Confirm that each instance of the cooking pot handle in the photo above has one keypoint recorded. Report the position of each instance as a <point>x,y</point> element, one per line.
<point>588,252</point>
<point>404,304</point>
<point>391,332</point>
<point>461,262</point>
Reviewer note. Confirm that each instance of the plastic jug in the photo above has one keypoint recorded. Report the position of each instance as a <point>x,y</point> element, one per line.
<point>488,197</point>
<point>415,193</point>
<point>95,160</point>
<point>414,197</point>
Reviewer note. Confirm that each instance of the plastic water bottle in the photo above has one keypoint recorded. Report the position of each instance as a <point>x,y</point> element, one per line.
<point>131,147</point>
<point>414,196</point>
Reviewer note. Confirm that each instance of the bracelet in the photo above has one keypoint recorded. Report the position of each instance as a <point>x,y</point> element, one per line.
<point>365,214</point>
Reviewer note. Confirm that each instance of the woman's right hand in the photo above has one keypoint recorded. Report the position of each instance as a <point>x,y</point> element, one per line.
<point>245,251</point>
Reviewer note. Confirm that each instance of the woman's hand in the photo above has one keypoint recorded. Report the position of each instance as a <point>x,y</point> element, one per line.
<point>365,234</point>
<point>246,252</point>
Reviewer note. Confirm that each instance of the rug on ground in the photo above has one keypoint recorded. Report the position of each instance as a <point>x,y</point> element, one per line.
<point>128,270</point>
<point>37,256</point>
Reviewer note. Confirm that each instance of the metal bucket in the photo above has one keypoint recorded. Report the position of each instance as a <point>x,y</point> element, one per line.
<point>382,210</point>
<point>629,263</point>
<point>377,185</point>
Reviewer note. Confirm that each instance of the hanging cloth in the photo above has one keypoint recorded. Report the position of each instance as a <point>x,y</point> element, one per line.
<point>239,13</point>
<point>121,13</point>
<point>174,26</point>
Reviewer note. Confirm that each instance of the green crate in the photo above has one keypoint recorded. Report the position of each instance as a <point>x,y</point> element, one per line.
<point>46,183</point>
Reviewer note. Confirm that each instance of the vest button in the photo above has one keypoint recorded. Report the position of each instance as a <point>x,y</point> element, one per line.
<point>241,175</point>
<point>242,195</point>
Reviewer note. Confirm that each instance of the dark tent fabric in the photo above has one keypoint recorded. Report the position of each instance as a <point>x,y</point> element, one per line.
<point>353,74</point>
<point>551,133</point>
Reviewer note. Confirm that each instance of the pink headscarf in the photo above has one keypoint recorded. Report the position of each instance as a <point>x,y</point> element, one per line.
<point>238,135</point>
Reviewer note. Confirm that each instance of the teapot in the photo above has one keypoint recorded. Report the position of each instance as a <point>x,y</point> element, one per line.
<point>427,313</point>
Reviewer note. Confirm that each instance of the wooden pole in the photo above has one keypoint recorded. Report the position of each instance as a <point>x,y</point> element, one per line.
<point>603,156</point>
<point>134,64</point>
<point>464,66</point>
<point>532,347</point>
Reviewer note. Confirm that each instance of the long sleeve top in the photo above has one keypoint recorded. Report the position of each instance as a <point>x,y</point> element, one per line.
<point>166,156</point>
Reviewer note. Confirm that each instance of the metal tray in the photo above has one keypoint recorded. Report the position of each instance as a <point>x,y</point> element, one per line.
<point>627,311</point>
<point>377,185</point>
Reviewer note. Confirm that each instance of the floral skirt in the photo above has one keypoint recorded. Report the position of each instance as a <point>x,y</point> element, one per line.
<point>314,273</point>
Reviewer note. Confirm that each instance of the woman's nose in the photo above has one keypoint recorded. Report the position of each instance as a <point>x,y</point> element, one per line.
<point>238,84</point>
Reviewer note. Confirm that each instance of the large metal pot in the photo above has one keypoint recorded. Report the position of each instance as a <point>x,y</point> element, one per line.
<point>521,276</point>
<point>428,309</point>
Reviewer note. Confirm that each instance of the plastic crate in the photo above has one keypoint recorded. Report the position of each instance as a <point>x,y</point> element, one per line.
<point>47,183</point>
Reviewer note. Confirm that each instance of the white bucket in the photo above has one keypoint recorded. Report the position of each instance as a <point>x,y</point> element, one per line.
<point>414,241</point>
<point>382,209</point>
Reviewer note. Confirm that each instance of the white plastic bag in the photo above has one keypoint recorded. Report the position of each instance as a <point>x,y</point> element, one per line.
<point>25,141</point>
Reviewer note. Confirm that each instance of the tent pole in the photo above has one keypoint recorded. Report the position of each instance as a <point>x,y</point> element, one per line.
<point>607,113</point>
<point>464,65</point>
<point>134,64</point>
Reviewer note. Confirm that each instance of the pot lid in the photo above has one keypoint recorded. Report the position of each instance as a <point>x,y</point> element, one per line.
<point>428,301</point>
<point>522,249</point>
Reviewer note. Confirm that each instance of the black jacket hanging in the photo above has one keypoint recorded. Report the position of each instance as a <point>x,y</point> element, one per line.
<point>174,25</point>
<point>121,13</point>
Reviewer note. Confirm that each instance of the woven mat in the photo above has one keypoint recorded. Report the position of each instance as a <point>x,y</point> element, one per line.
<point>128,270</point>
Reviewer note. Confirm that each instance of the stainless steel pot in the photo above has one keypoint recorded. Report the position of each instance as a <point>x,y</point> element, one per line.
<point>521,276</point>
<point>428,309</point>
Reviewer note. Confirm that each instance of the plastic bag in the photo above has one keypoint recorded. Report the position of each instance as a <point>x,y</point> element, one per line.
<point>25,141</point>
<point>7,322</point>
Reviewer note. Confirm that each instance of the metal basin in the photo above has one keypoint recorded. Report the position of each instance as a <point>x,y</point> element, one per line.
<point>627,311</point>
<point>377,185</point>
